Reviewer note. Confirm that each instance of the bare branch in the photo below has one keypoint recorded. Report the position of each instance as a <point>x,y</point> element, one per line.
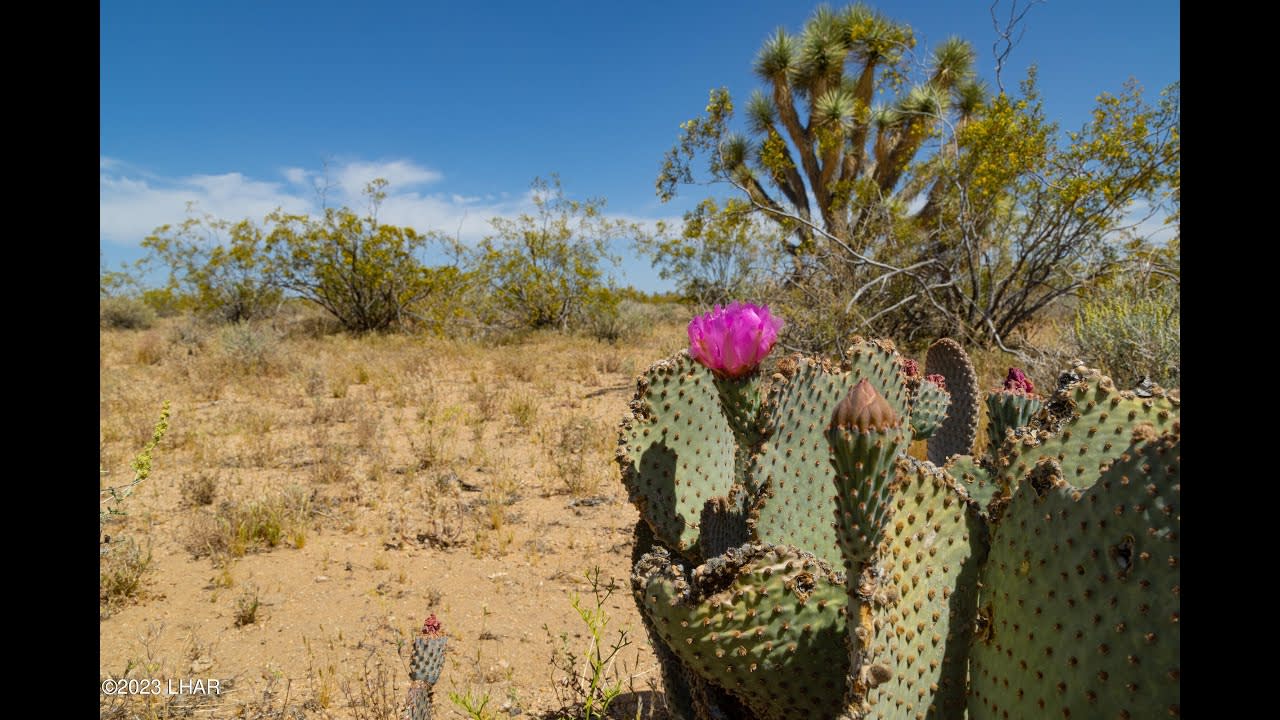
<point>1005,34</point>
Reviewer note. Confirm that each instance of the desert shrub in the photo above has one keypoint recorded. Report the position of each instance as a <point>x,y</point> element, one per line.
<point>545,270</point>
<point>366,274</point>
<point>247,347</point>
<point>625,321</point>
<point>125,313</point>
<point>120,571</point>
<point>218,268</point>
<point>1130,333</point>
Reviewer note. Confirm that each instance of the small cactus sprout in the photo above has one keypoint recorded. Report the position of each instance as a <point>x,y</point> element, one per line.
<point>1011,406</point>
<point>732,341</point>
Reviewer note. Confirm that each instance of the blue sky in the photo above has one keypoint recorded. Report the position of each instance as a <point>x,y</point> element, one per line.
<point>238,105</point>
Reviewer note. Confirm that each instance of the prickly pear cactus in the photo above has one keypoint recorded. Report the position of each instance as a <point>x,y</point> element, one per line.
<point>793,469</point>
<point>1081,594</point>
<point>425,665</point>
<point>1087,424</point>
<point>767,623</point>
<point>958,431</point>
<point>917,600</point>
<point>677,449</point>
<point>769,485</point>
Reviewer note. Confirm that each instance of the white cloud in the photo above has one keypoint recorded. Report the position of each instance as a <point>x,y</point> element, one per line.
<point>352,177</point>
<point>133,202</point>
<point>130,208</point>
<point>295,175</point>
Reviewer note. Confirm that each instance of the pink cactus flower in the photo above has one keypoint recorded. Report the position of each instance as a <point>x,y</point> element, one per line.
<point>1018,382</point>
<point>732,341</point>
<point>432,628</point>
<point>938,380</point>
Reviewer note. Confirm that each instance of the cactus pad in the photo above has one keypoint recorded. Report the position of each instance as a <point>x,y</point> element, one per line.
<point>928,408</point>
<point>958,431</point>
<point>418,706</point>
<point>1086,425</point>
<point>427,659</point>
<point>793,469</point>
<point>917,601</point>
<point>975,476</point>
<point>677,449</point>
<point>724,523</point>
<point>865,437</point>
<point>1008,410</point>
<point>1080,606</point>
<point>767,623</point>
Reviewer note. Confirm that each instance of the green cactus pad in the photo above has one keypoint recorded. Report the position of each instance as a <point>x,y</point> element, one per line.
<point>675,676</point>
<point>864,464</point>
<point>879,362</point>
<point>724,523</point>
<point>975,476</point>
<point>1081,594</point>
<point>767,623</point>
<point>427,659</point>
<point>917,601</point>
<point>793,470</point>
<point>929,405</point>
<point>1086,424</point>
<point>958,431</point>
<point>676,449</point>
<point>1008,410</point>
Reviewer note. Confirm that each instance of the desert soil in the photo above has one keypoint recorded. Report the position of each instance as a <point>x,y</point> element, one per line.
<point>352,486</point>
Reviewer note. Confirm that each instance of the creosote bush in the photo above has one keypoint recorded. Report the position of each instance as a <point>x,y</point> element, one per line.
<point>124,313</point>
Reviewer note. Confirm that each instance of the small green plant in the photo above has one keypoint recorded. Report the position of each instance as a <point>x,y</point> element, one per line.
<point>588,683</point>
<point>247,606</point>
<point>115,495</point>
<point>473,705</point>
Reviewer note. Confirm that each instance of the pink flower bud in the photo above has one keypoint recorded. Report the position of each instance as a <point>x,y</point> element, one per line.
<point>938,380</point>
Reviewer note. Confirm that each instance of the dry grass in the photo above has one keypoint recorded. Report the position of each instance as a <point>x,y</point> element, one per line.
<point>318,493</point>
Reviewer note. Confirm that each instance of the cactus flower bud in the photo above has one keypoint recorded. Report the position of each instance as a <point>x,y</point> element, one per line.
<point>938,380</point>
<point>910,368</point>
<point>864,409</point>
<point>732,341</point>
<point>1018,382</point>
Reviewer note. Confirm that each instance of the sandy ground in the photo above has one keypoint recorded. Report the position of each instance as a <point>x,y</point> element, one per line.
<point>401,477</point>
